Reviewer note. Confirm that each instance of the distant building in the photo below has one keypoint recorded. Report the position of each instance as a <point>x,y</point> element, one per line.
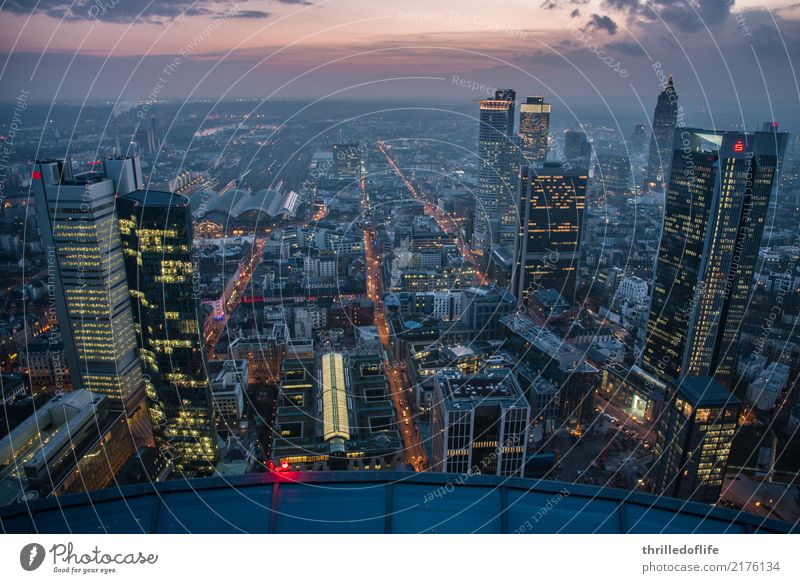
<point>498,159</point>
<point>637,139</point>
<point>634,289</point>
<point>229,380</point>
<point>577,149</point>
<point>264,353</point>
<point>613,173</point>
<point>694,440</point>
<point>347,161</point>
<point>551,212</point>
<point>557,361</point>
<point>479,424</point>
<point>534,126</point>
<point>12,386</point>
<point>764,391</point>
<point>665,120</point>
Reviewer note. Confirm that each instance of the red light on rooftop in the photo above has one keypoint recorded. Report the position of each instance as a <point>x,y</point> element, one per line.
<point>738,146</point>
<point>36,175</point>
<point>284,465</point>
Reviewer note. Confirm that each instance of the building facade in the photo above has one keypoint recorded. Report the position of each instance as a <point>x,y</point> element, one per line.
<point>694,440</point>
<point>713,222</point>
<point>156,230</point>
<point>479,424</point>
<point>534,127</point>
<point>551,212</point>
<point>665,119</point>
<point>81,236</point>
<point>495,207</point>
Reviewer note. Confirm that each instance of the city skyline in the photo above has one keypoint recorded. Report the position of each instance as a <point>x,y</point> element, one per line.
<point>266,266</point>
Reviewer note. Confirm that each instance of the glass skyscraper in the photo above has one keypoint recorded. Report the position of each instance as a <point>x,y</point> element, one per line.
<point>534,126</point>
<point>694,439</point>
<point>713,221</point>
<point>156,229</point>
<point>82,242</point>
<point>495,207</point>
<point>665,119</point>
<point>552,203</point>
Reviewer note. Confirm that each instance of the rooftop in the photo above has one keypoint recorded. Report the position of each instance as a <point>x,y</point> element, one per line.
<point>705,392</point>
<point>157,198</point>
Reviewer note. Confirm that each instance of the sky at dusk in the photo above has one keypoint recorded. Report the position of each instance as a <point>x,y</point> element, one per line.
<point>739,54</point>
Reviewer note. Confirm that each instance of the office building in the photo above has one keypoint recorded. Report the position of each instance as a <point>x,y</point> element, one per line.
<point>495,207</point>
<point>73,443</point>
<point>577,149</point>
<point>229,380</point>
<point>637,139</point>
<point>559,362</point>
<point>347,161</point>
<point>633,391</point>
<point>81,236</point>
<point>551,212</point>
<point>665,120</point>
<point>713,221</point>
<point>534,126</point>
<point>694,440</point>
<point>613,173</point>
<point>334,412</point>
<point>479,424</point>
<point>156,231</point>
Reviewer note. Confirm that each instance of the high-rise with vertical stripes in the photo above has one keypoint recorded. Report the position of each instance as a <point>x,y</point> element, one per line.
<point>498,167</point>
<point>714,216</point>
<point>80,232</point>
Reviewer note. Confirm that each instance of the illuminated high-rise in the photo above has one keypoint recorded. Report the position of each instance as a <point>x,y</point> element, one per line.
<point>694,439</point>
<point>714,215</point>
<point>552,203</point>
<point>534,126</point>
<point>665,119</point>
<point>495,207</point>
<point>82,242</point>
<point>156,232</point>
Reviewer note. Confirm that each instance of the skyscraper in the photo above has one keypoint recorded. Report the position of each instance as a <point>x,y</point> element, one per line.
<point>694,440</point>
<point>156,232</point>
<point>552,202</point>
<point>534,126</point>
<point>495,207</point>
<point>577,149</point>
<point>480,423</point>
<point>81,237</point>
<point>665,119</point>
<point>637,139</point>
<point>713,221</point>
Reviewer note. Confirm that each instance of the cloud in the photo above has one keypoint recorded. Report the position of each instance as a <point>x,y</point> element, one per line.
<point>251,14</point>
<point>602,23</point>
<point>683,15</point>
<point>553,4</point>
<point>126,11</point>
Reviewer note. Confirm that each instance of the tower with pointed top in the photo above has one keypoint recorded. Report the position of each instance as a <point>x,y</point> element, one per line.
<point>665,119</point>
